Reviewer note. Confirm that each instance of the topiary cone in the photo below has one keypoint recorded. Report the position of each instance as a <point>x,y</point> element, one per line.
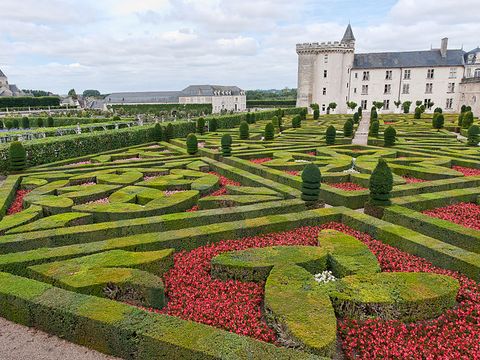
<point>311,179</point>
<point>226,143</point>
<point>17,156</point>
<point>381,183</point>
<point>192,144</point>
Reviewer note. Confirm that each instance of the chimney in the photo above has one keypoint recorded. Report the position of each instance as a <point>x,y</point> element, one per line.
<point>443,49</point>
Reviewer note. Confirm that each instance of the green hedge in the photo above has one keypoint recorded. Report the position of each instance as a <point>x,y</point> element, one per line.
<point>26,101</point>
<point>271,103</point>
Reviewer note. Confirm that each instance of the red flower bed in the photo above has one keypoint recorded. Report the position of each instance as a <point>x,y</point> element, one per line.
<point>465,214</point>
<point>17,204</point>
<point>236,306</point>
<point>413,180</point>
<point>292,172</point>
<point>260,161</point>
<point>389,122</point>
<point>313,153</point>
<point>347,186</point>
<point>466,171</point>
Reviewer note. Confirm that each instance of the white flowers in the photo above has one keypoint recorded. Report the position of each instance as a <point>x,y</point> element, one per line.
<point>302,161</point>
<point>325,277</point>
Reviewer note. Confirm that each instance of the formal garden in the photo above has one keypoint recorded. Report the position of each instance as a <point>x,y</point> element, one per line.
<point>264,235</point>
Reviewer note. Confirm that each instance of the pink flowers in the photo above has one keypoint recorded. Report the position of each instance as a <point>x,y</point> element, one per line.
<point>260,161</point>
<point>413,180</point>
<point>465,214</point>
<point>99,202</point>
<point>292,172</point>
<point>347,186</point>
<point>17,204</point>
<point>467,171</point>
<point>80,163</point>
<point>90,183</point>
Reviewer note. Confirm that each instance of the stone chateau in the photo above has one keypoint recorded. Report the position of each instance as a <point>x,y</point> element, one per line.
<point>332,72</point>
<point>7,89</point>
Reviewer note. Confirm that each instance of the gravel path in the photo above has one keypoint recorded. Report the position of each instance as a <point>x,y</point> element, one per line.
<point>18,342</point>
<point>361,135</point>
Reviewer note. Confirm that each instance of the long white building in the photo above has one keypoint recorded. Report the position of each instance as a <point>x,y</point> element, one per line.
<point>332,72</point>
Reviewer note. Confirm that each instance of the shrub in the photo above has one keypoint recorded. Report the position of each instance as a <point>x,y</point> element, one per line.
<point>226,143</point>
<point>332,105</point>
<point>17,156</point>
<point>40,122</point>
<point>269,132</point>
<point>157,133</point>
<point>9,124</point>
<point>330,135</point>
<point>50,121</point>
<point>192,144</point>
<point>422,108</point>
<point>406,107</point>
<point>213,124</point>
<point>360,111</point>
<point>348,128</point>
<point>253,118</point>
<point>397,103</point>
<point>418,103</point>
<point>16,124</point>
<point>296,122</point>
<point>316,114</point>
<point>438,110</point>
<point>356,118</point>
<point>244,131</point>
<point>374,128</point>
<point>473,132</point>
<point>303,114</point>
<point>389,136</point>
<point>438,121</point>
<point>467,120</point>
<point>418,113</point>
<point>460,119</point>
<point>275,122</point>
<point>311,179</point>
<point>468,108</point>
<point>315,107</point>
<point>373,114</point>
<point>25,123</point>
<point>351,105</point>
<point>381,183</point>
<point>1,125</point>
<point>201,126</point>
<point>464,108</point>
<point>169,131</point>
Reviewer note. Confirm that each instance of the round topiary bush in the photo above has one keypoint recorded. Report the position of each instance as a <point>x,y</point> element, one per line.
<point>16,124</point>
<point>296,122</point>
<point>244,130</point>
<point>226,145</point>
<point>356,118</point>
<point>381,183</point>
<point>201,126</point>
<point>467,120</point>
<point>40,122</point>
<point>50,121</point>
<point>169,132</point>
<point>25,123</point>
<point>269,134</point>
<point>157,133</point>
<point>418,113</point>
<point>438,110</point>
<point>17,156</point>
<point>473,132</point>
<point>348,128</point>
<point>330,135</point>
<point>374,128</point>
<point>192,144</point>
<point>213,125</point>
<point>389,136</point>
<point>311,179</point>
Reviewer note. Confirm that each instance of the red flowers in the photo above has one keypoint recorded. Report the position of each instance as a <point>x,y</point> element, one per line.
<point>465,214</point>
<point>347,186</point>
<point>466,171</point>
<point>412,180</point>
<point>260,161</point>
<point>17,204</point>
<point>292,172</point>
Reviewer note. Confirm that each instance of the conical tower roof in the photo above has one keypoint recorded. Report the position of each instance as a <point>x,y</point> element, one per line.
<point>348,36</point>
<point>2,74</point>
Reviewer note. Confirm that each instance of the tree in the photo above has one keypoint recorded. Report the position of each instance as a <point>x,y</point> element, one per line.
<point>352,105</point>
<point>303,114</point>
<point>169,132</point>
<point>157,133</point>
<point>397,103</point>
<point>348,128</point>
<point>473,132</point>
<point>378,104</point>
<point>464,108</point>
<point>226,143</point>
<point>296,122</point>
<point>91,93</point>
<point>330,135</point>
<point>73,94</point>
<point>389,136</point>
<point>360,111</point>
<point>460,119</point>
<point>418,113</point>
<point>381,183</point>
<point>406,106</point>
<point>438,110</point>
<point>332,106</point>
<point>50,121</point>
<point>269,134</point>
<point>201,126</point>
<point>316,114</point>
<point>311,180</point>
<point>418,103</point>
<point>438,121</point>
<point>213,125</point>
<point>25,123</point>
<point>374,128</point>
<point>356,118</point>
<point>192,144</point>
<point>253,118</point>
<point>244,131</point>
<point>315,107</point>
<point>17,156</point>
<point>467,120</point>
<point>373,114</point>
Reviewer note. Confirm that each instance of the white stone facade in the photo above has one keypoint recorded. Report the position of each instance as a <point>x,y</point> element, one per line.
<point>332,72</point>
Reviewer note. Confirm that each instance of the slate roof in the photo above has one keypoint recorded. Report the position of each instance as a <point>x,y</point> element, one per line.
<point>408,59</point>
<point>209,90</point>
<point>348,36</point>
<point>474,52</point>
<point>2,74</point>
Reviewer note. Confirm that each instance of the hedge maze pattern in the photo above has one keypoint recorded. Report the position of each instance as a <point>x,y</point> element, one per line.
<point>123,251</point>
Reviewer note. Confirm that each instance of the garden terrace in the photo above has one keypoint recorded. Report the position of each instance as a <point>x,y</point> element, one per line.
<point>128,249</point>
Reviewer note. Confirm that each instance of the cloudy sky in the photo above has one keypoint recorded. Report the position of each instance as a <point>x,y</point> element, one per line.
<point>121,45</point>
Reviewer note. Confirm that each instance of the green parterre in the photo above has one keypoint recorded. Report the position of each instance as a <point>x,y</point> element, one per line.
<point>86,242</point>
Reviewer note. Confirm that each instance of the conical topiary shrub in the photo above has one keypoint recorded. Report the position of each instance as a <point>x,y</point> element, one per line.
<point>17,156</point>
<point>438,121</point>
<point>373,114</point>
<point>169,131</point>
<point>269,134</point>
<point>418,113</point>
<point>389,136</point>
<point>244,131</point>
<point>381,184</point>
<point>50,121</point>
<point>356,118</point>
<point>213,125</point>
<point>296,122</point>
<point>473,132</point>
<point>348,128</point>
<point>226,145</point>
<point>374,128</point>
<point>157,133</point>
<point>330,135</point>
<point>25,123</point>
<point>467,120</point>
<point>201,126</point>
<point>316,114</point>
<point>311,179</point>
<point>192,144</point>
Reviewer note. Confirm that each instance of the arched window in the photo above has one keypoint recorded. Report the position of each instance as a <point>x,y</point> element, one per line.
<point>477,73</point>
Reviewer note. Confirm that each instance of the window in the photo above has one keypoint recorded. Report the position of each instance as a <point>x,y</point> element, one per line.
<point>364,104</point>
<point>453,73</point>
<point>406,89</point>
<point>451,87</point>
<point>469,72</point>
<point>325,73</point>
<point>354,90</point>
<point>477,73</point>
<point>387,89</point>
<point>407,74</point>
<point>427,103</point>
<point>366,75</point>
<point>364,89</point>
<point>388,75</point>
<point>386,104</point>
<point>325,58</point>
<point>430,73</point>
<point>323,107</point>
<point>428,88</point>
<point>356,75</point>
<point>324,91</point>
<point>449,104</point>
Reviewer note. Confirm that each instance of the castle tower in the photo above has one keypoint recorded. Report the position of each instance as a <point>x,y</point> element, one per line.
<point>324,72</point>
<point>3,79</point>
